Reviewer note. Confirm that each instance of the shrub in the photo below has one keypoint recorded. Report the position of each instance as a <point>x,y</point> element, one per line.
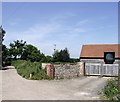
<point>25,68</point>
<point>110,91</point>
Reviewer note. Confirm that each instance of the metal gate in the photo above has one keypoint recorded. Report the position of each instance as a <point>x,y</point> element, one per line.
<point>101,69</point>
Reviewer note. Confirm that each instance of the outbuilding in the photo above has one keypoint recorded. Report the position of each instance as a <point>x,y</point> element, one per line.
<point>101,59</point>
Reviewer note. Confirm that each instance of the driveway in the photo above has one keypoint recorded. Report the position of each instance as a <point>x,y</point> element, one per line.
<point>14,87</point>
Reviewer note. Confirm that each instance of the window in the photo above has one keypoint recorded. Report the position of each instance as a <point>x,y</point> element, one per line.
<point>109,57</point>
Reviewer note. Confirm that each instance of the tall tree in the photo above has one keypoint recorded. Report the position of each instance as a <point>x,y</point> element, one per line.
<point>4,52</point>
<point>65,55</point>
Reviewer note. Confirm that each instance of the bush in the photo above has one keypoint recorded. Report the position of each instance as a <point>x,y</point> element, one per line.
<point>8,63</point>
<point>25,68</point>
<point>110,91</point>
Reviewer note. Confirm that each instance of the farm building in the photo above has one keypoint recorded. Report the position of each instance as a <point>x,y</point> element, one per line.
<point>101,59</point>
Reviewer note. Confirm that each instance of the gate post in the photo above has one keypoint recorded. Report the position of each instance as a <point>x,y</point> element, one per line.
<point>101,69</point>
<point>50,70</point>
<point>81,68</point>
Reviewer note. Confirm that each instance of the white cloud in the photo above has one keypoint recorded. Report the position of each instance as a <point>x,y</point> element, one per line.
<point>37,32</point>
<point>12,23</point>
<point>82,22</point>
<point>62,17</point>
<point>39,35</point>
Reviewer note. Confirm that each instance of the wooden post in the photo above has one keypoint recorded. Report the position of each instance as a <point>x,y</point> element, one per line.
<point>30,76</point>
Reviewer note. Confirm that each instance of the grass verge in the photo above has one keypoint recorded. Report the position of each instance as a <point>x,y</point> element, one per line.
<point>25,68</point>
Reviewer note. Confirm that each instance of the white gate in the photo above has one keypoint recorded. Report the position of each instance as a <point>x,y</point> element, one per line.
<point>101,69</point>
<point>110,69</point>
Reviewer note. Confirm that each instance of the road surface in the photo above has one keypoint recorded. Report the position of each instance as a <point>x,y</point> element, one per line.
<point>14,87</point>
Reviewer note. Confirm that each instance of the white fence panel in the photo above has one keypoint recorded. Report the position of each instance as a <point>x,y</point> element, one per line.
<point>101,69</point>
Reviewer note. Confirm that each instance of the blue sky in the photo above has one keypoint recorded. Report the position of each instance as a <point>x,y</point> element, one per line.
<point>65,24</point>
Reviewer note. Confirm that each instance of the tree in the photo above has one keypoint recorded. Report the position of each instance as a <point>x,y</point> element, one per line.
<point>61,56</point>
<point>65,55</point>
<point>4,52</point>
<point>32,53</point>
<point>48,59</point>
<point>2,31</point>
<point>56,56</point>
<point>16,49</point>
<point>4,55</point>
<point>73,60</point>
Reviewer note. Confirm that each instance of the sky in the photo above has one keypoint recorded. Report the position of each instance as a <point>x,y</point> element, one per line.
<point>66,24</point>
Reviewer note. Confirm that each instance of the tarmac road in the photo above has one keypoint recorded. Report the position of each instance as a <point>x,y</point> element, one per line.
<point>14,87</point>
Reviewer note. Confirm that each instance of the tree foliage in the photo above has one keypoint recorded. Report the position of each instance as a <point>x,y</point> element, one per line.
<point>16,49</point>
<point>22,50</point>
<point>32,53</point>
<point>48,59</point>
<point>61,56</point>
<point>4,55</point>
<point>56,56</point>
<point>4,48</point>
<point>2,33</point>
<point>65,57</point>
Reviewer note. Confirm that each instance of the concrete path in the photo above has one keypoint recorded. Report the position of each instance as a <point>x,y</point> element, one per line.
<point>14,87</point>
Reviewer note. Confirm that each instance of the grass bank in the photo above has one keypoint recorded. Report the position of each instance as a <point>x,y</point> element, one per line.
<point>25,68</point>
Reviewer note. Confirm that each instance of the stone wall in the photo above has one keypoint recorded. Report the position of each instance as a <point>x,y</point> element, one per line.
<point>68,71</point>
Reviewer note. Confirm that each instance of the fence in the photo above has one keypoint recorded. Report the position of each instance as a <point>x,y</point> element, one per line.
<point>101,69</point>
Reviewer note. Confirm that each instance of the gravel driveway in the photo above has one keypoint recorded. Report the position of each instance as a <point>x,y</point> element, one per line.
<point>14,87</point>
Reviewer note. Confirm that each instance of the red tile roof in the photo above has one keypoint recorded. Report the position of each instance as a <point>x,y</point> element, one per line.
<point>97,50</point>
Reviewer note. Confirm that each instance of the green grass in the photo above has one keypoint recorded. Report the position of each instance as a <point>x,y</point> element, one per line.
<point>110,91</point>
<point>25,68</point>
